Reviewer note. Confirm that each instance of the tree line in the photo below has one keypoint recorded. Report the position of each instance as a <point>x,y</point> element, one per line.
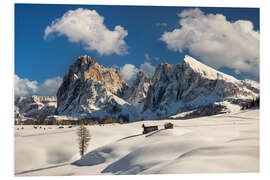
<point>250,104</point>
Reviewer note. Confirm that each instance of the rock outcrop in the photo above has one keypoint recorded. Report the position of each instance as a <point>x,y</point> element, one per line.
<point>93,91</point>
<point>137,93</point>
<point>190,89</point>
<point>192,85</point>
<point>34,107</point>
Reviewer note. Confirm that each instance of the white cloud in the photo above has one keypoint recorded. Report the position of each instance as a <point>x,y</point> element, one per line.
<point>25,87</point>
<point>148,68</point>
<point>129,71</point>
<point>50,86</point>
<point>87,27</point>
<point>217,41</point>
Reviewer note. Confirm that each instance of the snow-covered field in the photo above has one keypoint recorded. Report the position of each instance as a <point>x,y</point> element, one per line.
<point>216,144</point>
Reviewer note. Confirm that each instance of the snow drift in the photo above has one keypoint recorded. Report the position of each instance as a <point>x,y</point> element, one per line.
<point>226,143</point>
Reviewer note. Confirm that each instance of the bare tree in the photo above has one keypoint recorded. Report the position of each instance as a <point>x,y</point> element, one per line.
<point>83,138</point>
<point>121,121</point>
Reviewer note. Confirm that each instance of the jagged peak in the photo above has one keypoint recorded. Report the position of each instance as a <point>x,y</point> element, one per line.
<point>164,64</point>
<point>142,74</point>
<point>86,68</point>
<point>163,68</point>
<point>86,63</point>
<point>204,70</point>
<point>84,57</point>
<point>196,65</point>
<point>137,92</point>
<point>87,75</point>
<point>36,97</point>
<point>252,83</point>
<point>85,60</point>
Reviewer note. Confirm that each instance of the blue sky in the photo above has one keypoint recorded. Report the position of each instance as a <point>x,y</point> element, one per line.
<point>42,60</point>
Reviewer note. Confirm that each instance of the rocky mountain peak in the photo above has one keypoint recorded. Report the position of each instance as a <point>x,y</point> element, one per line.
<point>191,65</point>
<point>84,61</point>
<point>35,99</point>
<point>90,88</point>
<point>140,86</point>
<point>163,72</point>
<point>191,85</point>
<point>190,61</point>
<point>141,77</point>
<point>34,107</point>
<point>87,69</point>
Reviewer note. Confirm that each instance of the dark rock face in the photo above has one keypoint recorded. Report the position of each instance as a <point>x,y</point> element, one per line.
<point>34,107</point>
<point>92,90</point>
<point>207,110</point>
<point>138,91</point>
<point>193,85</point>
<point>82,73</point>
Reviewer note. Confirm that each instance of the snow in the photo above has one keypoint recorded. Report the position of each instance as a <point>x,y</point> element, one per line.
<point>193,85</point>
<point>181,115</point>
<point>215,144</point>
<point>231,107</point>
<point>207,71</point>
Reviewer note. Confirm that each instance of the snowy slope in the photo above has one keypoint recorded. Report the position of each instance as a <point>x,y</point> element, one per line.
<point>90,90</point>
<point>193,85</point>
<point>206,71</point>
<point>34,107</point>
<point>215,144</point>
<point>93,91</point>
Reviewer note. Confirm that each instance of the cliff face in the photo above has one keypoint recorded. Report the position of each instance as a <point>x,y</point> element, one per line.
<point>85,69</point>
<point>191,85</point>
<point>34,107</point>
<point>138,91</point>
<point>91,90</point>
<point>95,91</point>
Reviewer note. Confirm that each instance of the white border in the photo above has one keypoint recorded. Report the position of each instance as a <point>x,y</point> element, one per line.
<point>209,3</point>
<point>7,71</point>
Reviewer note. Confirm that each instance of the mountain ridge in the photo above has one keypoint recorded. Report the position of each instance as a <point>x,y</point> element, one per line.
<point>190,85</point>
<point>90,90</point>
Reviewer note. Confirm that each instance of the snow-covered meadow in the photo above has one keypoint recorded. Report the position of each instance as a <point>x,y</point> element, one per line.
<point>214,144</point>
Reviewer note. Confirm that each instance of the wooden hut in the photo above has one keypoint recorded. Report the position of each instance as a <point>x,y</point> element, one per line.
<point>168,125</point>
<point>147,129</point>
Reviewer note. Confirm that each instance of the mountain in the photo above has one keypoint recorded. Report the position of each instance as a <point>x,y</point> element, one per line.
<point>34,107</point>
<point>90,90</point>
<point>137,93</point>
<point>193,85</point>
<point>185,90</point>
